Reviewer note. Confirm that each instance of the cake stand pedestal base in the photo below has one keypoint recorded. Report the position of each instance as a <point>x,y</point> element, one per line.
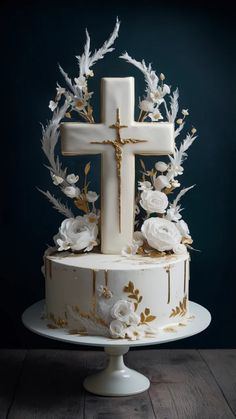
<point>116,379</point>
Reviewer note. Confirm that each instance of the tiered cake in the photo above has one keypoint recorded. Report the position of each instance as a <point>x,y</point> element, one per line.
<point>102,278</point>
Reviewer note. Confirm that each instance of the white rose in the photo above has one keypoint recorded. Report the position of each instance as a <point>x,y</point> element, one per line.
<point>133,319</point>
<point>72,178</point>
<point>146,106</point>
<point>161,234</point>
<point>76,234</point>
<point>121,310</point>
<point>179,249</point>
<point>161,182</point>
<point>161,166</point>
<point>154,201</point>
<point>71,191</point>
<point>91,196</point>
<point>117,329</point>
<point>183,229</point>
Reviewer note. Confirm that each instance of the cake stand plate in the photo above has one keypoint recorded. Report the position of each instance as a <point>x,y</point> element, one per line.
<point>117,379</point>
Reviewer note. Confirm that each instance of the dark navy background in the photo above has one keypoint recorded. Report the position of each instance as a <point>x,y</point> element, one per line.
<point>194,46</point>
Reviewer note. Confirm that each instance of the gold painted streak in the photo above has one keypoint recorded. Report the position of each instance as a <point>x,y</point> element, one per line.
<point>168,273</point>
<point>94,292</point>
<point>106,278</point>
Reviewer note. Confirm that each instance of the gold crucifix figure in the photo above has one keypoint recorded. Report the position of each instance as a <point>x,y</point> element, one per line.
<point>118,143</point>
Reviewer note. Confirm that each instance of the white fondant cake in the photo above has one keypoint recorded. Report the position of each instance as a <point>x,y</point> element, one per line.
<point>138,283</point>
<point>115,296</point>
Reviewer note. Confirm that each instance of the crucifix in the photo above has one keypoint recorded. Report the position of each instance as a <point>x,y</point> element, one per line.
<point>118,138</point>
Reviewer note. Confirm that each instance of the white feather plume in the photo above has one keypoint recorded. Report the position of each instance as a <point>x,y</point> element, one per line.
<point>174,106</point>
<point>179,196</point>
<point>63,209</point>
<point>180,154</point>
<point>150,76</point>
<point>86,60</point>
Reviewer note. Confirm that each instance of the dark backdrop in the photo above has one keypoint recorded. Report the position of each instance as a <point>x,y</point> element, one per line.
<point>195,46</point>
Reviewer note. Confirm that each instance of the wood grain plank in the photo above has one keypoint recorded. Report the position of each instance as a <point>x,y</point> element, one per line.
<point>50,386</point>
<point>181,385</point>
<point>222,363</point>
<point>10,368</point>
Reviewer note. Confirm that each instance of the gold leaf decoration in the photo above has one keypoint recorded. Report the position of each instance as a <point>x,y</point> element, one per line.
<point>181,309</point>
<point>58,322</point>
<point>87,168</point>
<point>146,316</point>
<point>81,203</point>
<point>142,164</point>
<point>169,329</point>
<point>147,311</point>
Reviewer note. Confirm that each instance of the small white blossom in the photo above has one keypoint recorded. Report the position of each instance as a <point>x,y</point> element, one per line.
<point>146,106</point>
<point>104,292</point>
<point>155,115</point>
<point>175,170</point>
<point>117,329</point>
<point>52,105</point>
<point>173,214</point>
<point>57,180</point>
<point>60,91</point>
<point>143,186</point>
<point>72,178</point>
<point>161,166</point>
<point>71,191</point>
<point>92,196</point>
<point>81,82</point>
<point>185,112</point>
<point>175,183</point>
<point>130,250</point>
<point>161,182</point>
<point>134,332</point>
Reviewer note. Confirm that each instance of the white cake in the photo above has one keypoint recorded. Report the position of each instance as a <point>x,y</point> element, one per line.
<point>121,270</point>
<point>82,292</point>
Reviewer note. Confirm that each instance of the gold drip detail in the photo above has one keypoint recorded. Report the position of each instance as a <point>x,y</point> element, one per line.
<point>167,268</point>
<point>94,292</point>
<point>118,143</point>
<point>106,278</point>
<point>49,268</point>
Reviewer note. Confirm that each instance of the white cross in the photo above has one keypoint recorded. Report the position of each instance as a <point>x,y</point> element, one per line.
<point>118,151</point>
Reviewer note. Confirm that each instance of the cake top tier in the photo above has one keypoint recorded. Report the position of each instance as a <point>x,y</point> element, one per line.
<point>98,261</point>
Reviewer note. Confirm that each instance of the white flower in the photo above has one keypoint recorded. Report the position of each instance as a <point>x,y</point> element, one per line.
<point>80,104</point>
<point>134,332</point>
<point>161,234</point>
<point>185,112</point>
<point>146,105</point>
<point>81,82</point>
<point>130,249</point>
<point>175,183</point>
<point>76,234</point>
<point>183,229</point>
<point>173,214</point>
<point>155,115</point>
<point>117,329</point>
<point>180,249</point>
<point>104,292</point>
<point>154,201</point>
<point>72,178</point>
<point>175,169</point>
<point>143,186</point>
<point>71,191</point>
<point>133,319</point>
<point>161,182</point>
<point>138,237</point>
<point>90,73</point>
<point>52,105</point>
<point>122,310</point>
<point>92,196</point>
<point>57,180</point>
<point>161,166</point>
<point>60,91</point>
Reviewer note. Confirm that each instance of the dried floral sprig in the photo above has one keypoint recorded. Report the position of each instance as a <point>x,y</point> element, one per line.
<point>59,206</point>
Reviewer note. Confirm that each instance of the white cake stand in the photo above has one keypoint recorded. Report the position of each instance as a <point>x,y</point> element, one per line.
<point>116,379</point>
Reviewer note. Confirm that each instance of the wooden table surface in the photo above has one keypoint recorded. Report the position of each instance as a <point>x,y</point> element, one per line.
<point>47,384</point>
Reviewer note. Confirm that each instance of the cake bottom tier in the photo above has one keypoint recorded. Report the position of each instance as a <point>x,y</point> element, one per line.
<point>115,296</point>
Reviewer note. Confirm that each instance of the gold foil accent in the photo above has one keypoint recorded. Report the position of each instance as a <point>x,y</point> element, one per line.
<point>134,294</point>
<point>57,322</point>
<point>167,268</point>
<point>169,329</point>
<point>118,144</point>
<point>181,309</point>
